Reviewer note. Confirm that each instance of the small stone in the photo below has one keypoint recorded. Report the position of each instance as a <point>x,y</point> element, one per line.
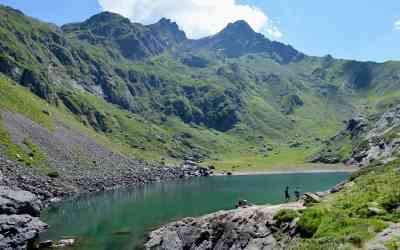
<point>46,112</point>
<point>376,211</point>
<point>46,244</point>
<point>310,198</point>
<point>67,242</point>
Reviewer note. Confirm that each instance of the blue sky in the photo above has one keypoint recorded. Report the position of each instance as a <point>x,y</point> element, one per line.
<point>353,29</point>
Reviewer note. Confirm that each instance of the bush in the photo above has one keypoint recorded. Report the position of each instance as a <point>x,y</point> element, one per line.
<point>310,221</point>
<point>53,174</point>
<point>285,216</point>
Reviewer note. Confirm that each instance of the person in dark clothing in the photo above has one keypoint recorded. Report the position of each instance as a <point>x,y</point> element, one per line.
<point>297,193</point>
<point>287,195</point>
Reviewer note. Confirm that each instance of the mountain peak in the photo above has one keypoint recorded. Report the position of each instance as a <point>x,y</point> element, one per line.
<point>167,24</point>
<point>107,16</point>
<point>239,27</point>
<point>239,38</point>
<point>166,21</point>
<point>240,24</point>
<point>169,28</point>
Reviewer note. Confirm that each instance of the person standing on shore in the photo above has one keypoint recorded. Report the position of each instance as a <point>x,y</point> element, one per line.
<point>297,193</point>
<point>287,195</point>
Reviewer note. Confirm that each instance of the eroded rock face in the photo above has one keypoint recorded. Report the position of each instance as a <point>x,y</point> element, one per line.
<point>247,228</point>
<point>376,139</point>
<point>382,141</point>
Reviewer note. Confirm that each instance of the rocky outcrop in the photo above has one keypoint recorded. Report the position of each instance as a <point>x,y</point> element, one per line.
<point>372,139</point>
<point>19,222</point>
<point>17,232</point>
<point>243,228</point>
<point>381,142</point>
<point>18,202</point>
<point>193,169</point>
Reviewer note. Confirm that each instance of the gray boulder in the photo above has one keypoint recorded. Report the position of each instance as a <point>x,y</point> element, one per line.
<point>311,198</point>
<point>17,232</point>
<point>18,202</point>
<point>19,225</point>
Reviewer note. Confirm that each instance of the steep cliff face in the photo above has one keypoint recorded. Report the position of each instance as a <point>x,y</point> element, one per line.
<point>374,139</point>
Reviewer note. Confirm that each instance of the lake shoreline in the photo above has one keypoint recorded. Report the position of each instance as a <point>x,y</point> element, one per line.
<point>300,171</point>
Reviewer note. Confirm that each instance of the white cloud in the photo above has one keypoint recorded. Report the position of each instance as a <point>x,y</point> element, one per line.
<point>397,25</point>
<point>273,31</point>
<point>198,18</point>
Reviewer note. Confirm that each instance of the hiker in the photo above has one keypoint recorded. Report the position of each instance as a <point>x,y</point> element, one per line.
<point>297,193</point>
<point>287,195</point>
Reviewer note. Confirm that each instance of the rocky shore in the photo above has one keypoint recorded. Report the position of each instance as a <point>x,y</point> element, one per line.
<point>24,191</point>
<point>247,228</point>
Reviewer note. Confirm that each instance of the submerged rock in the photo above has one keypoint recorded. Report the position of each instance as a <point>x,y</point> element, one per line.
<point>243,204</point>
<point>56,244</point>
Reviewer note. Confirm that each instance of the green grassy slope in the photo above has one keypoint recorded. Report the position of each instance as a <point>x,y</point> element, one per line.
<point>352,217</point>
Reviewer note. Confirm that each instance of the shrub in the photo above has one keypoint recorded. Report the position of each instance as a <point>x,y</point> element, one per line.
<point>285,216</point>
<point>53,174</point>
<point>310,221</point>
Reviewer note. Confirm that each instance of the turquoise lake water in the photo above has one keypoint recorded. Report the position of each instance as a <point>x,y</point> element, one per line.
<point>120,220</point>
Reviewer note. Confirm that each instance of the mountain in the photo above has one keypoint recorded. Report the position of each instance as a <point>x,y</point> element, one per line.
<point>234,99</point>
<point>133,41</point>
<point>238,39</point>
<point>106,103</point>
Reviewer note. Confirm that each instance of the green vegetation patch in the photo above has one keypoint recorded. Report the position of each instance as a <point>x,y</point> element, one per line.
<point>30,156</point>
<point>15,98</point>
<point>356,214</point>
<point>393,244</point>
<point>286,216</point>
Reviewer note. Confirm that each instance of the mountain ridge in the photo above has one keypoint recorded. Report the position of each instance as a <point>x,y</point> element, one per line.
<point>259,98</point>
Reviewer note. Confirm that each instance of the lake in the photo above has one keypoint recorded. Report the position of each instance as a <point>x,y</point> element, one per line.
<point>120,220</point>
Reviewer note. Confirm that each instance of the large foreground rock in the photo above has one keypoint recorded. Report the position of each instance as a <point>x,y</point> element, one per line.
<point>19,222</point>
<point>18,202</point>
<point>246,228</point>
<point>17,232</point>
